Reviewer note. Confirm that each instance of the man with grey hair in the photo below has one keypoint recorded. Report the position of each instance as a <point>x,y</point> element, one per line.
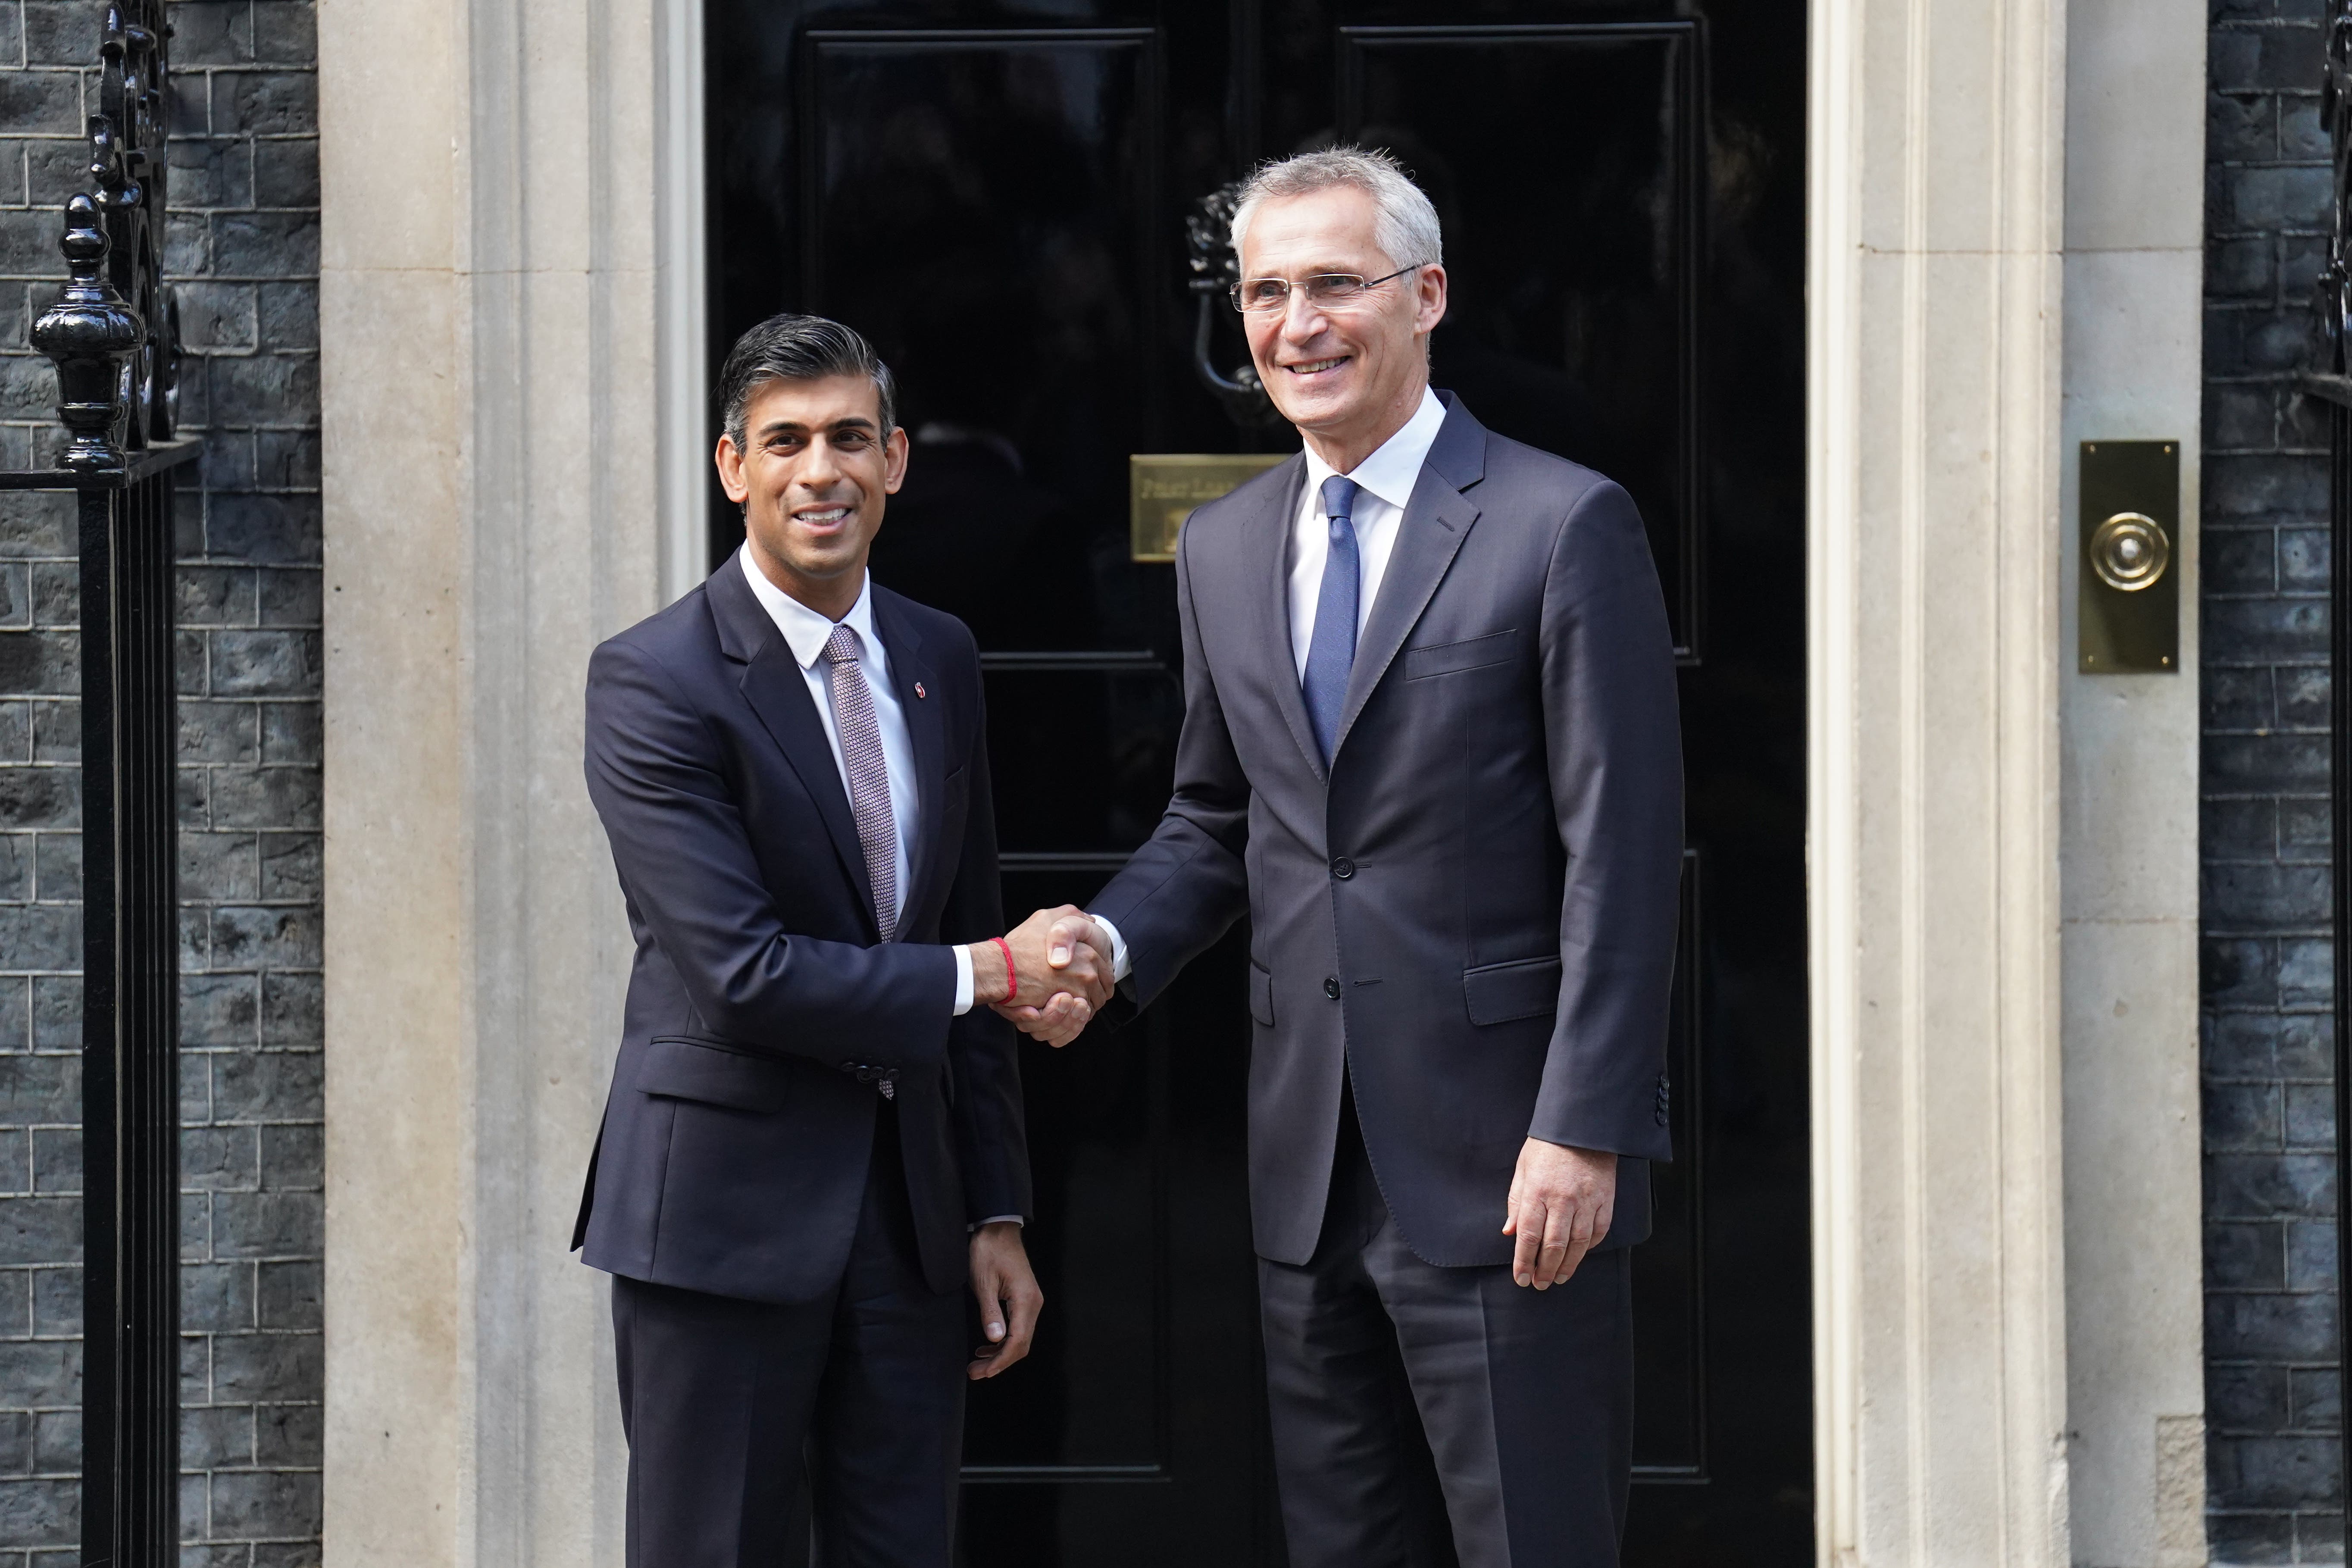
<point>1431,748</point>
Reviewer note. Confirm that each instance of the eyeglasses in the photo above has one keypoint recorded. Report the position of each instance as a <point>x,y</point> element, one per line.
<point>1325,290</point>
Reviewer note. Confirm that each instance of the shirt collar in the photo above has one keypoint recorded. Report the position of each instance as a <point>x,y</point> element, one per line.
<point>804,630</point>
<point>1392,470</point>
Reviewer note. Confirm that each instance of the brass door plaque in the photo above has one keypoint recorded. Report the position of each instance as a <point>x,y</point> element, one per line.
<point>2129,596</point>
<point>1162,489</point>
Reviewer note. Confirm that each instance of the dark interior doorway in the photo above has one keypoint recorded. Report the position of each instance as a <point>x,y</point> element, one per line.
<point>996,193</point>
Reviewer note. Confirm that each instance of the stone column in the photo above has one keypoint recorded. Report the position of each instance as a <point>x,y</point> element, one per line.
<point>1934,498</point>
<point>492,365</point>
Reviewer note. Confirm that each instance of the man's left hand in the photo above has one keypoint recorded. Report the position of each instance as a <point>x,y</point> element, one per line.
<point>1008,1295</point>
<point>1561,1201</point>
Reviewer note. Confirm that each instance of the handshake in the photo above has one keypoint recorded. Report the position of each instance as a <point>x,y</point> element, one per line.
<point>1047,976</point>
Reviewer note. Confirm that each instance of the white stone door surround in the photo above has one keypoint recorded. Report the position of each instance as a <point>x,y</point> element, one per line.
<point>512,372</point>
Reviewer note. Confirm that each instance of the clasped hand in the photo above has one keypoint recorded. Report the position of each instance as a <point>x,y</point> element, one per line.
<point>1061,973</point>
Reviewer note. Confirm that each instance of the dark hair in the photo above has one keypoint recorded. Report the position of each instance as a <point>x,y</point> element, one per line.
<point>787,347</point>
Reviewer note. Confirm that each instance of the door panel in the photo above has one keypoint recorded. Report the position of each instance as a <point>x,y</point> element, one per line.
<point>996,193</point>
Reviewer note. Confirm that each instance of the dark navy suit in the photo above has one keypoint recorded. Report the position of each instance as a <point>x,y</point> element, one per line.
<point>789,1246</point>
<point>1462,935</point>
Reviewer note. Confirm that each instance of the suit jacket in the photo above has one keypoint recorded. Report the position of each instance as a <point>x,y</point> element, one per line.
<point>1472,912</point>
<point>763,1006</point>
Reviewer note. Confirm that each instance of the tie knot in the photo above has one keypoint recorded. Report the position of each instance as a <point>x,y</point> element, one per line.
<point>845,645</point>
<point>1339,498</point>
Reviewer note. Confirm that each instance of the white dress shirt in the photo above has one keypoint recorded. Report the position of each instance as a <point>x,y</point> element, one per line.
<point>805,633</point>
<point>1384,484</point>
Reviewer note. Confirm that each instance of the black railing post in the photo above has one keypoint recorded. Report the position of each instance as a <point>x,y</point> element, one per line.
<point>2330,381</point>
<point>113,335</point>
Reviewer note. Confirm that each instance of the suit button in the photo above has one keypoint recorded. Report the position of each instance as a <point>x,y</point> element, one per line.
<point>1343,868</point>
<point>1331,986</point>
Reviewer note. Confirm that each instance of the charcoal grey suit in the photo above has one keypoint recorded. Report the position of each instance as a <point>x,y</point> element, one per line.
<point>1462,935</point>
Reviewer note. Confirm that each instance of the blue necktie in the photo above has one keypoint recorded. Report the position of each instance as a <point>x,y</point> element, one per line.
<point>1332,652</point>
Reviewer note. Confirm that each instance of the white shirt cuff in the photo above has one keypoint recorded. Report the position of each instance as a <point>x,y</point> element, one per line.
<point>1000,1219</point>
<point>1117,947</point>
<point>963,980</point>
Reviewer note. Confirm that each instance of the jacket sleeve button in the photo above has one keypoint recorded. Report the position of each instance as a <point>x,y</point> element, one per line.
<point>1343,868</point>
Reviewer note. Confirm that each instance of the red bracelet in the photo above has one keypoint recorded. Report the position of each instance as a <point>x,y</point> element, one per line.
<point>1012,981</point>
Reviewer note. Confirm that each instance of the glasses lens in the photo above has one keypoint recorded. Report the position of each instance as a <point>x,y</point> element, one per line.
<point>1261,294</point>
<point>1328,289</point>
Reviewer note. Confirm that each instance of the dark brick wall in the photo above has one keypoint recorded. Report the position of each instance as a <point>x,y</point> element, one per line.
<point>2271,1406</point>
<point>244,247</point>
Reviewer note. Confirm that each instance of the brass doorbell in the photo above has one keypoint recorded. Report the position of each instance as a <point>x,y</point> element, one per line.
<point>2129,596</point>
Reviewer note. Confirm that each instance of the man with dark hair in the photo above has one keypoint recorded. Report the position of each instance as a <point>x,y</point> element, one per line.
<point>813,1138</point>
<point>1431,749</point>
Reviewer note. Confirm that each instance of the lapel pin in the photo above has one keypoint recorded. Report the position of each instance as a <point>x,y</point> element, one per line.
<point>918,689</point>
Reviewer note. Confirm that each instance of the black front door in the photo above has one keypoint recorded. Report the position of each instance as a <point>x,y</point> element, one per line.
<point>996,193</point>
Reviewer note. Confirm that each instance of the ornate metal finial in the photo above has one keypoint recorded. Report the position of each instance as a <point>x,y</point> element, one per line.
<point>2329,374</point>
<point>1215,267</point>
<point>115,334</point>
<point>91,335</point>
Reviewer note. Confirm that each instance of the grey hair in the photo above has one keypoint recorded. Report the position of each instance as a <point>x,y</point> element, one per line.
<point>1405,225</point>
<point>798,348</point>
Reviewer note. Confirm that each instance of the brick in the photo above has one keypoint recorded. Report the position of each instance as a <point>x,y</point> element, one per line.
<point>210,172</point>
<point>2241,266</point>
<point>41,1512</point>
<point>2269,1327</point>
<point>291,868</point>
<point>2306,834</point>
<point>264,389</point>
<point>215,1434</point>
<point>217,1158</point>
<point>277,1368</point>
<point>293,1158</point>
<point>291,732</point>
<point>56,1160</point>
<point>220,1009</point>
<point>219,732</point>
<point>219,865</point>
<point>2265,764</point>
<point>2243,1116</point>
<point>2306,971</point>
<point>2315,1400</point>
<point>211,33</point>
<point>290,1435</point>
<point>2275,628</point>
<point>2310,1116</point>
<point>267,1224</point>
<point>57,1012</point>
<point>268,663</point>
<point>2302,697</point>
<point>2311,1255</point>
<point>2303,560</point>
<point>265,796</point>
<point>2245,1398</point>
<point>289,1294</point>
<point>264,245</point>
<point>2277,1471</point>
<point>2240,414</point>
<point>36,523</point>
<point>41,1374</point>
<point>2256,1186</point>
<point>216,317</point>
<point>285,459</point>
<point>2319,1537</point>
<point>217,1296</point>
<point>16,734</point>
<point>286,174</point>
<point>38,662</point>
<point>265,1086</point>
<point>40,1231</point>
<point>2239,559</point>
<point>285,32</point>
<point>289,596</point>
<point>2245,1255</point>
<point>289,315</point>
<point>57,731</point>
<point>266,1502</point>
<point>2244,898</point>
<point>275,529</point>
<point>35,937</point>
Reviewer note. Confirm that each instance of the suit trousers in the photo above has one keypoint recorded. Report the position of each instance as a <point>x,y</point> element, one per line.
<point>1428,1418</point>
<point>747,1421</point>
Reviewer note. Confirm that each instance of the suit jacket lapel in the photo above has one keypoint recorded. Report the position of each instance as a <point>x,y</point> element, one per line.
<point>1436,520</point>
<point>778,692</point>
<point>1269,563</point>
<point>927,727</point>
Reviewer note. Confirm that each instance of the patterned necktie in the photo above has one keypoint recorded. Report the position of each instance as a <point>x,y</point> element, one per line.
<point>1332,652</point>
<point>870,773</point>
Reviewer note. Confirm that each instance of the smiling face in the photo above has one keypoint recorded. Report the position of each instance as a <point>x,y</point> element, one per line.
<point>812,477</point>
<point>1348,378</point>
